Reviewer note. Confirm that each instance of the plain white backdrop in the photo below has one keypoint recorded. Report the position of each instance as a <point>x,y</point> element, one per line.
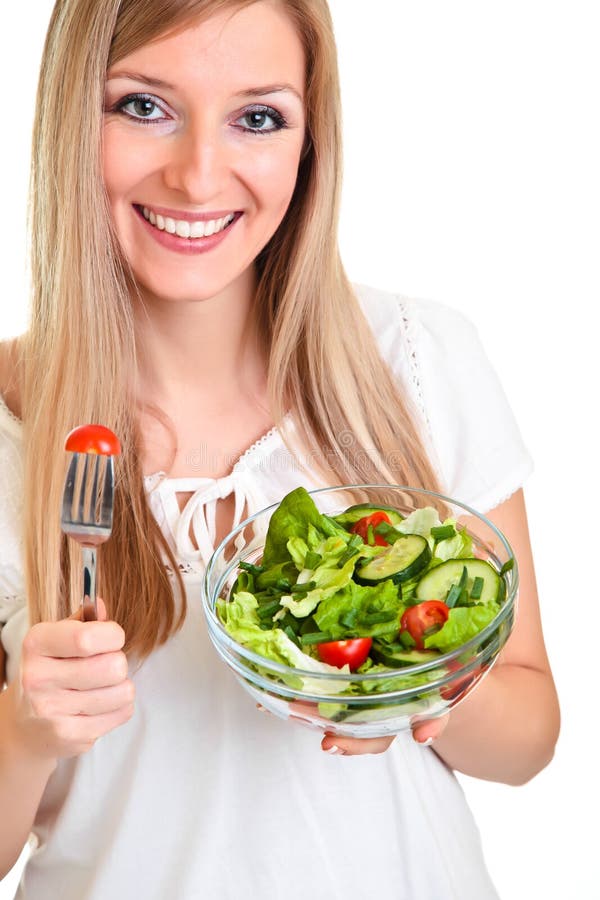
<point>472,178</point>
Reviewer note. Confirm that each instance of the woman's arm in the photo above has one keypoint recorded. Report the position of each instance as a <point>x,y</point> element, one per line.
<point>507,728</point>
<point>72,688</point>
<point>23,778</point>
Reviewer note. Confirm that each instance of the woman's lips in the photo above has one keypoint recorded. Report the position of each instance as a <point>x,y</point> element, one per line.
<point>186,245</point>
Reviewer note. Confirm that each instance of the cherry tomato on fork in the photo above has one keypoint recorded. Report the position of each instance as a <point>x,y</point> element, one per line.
<point>93,439</point>
<point>339,653</point>
<point>362,527</point>
<point>419,619</point>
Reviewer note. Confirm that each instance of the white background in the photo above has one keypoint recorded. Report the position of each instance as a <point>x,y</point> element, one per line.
<point>472,177</point>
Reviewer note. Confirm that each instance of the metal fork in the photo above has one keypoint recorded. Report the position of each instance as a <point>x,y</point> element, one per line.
<point>87,514</point>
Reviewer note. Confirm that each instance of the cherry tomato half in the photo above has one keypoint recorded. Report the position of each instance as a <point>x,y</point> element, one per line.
<point>458,686</point>
<point>421,618</point>
<point>93,439</point>
<point>339,653</point>
<point>362,527</point>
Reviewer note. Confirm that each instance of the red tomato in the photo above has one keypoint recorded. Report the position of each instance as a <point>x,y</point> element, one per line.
<point>362,527</point>
<point>93,439</point>
<point>420,618</point>
<point>458,686</point>
<point>339,653</point>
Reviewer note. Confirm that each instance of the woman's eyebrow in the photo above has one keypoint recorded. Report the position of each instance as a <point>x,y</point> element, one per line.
<point>137,76</point>
<point>270,89</point>
<point>248,92</point>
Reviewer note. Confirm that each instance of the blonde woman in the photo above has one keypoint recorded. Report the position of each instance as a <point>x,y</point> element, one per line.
<point>188,293</point>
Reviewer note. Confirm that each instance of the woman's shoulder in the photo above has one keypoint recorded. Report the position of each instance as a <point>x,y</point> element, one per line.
<point>415,317</point>
<point>10,380</point>
<point>437,355</point>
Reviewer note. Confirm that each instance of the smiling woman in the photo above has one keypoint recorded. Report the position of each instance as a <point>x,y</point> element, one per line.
<point>188,293</point>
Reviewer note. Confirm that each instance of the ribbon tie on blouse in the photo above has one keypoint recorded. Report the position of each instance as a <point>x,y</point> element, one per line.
<point>198,518</point>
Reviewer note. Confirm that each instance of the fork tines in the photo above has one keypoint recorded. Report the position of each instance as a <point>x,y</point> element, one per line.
<point>87,499</point>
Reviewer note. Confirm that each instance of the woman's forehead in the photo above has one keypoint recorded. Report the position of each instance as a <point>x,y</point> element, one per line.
<point>257,44</point>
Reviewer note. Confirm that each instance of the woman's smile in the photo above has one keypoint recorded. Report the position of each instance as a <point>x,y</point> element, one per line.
<point>186,232</point>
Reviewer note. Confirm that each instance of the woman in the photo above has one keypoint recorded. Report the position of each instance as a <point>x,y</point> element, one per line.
<point>188,293</point>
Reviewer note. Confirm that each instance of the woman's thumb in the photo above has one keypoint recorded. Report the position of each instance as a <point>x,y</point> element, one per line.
<point>100,607</point>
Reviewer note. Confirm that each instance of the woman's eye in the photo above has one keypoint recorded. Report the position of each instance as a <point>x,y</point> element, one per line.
<point>141,108</point>
<point>263,120</point>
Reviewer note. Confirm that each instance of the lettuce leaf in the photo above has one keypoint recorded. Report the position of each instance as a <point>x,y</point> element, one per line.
<point>355,603</point>
<point>458,547</point>
<point>240,618</point>
<point>297,517</point>
<point>464,622</point>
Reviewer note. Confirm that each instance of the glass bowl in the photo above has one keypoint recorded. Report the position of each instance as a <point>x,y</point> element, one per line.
<point>389,702</point>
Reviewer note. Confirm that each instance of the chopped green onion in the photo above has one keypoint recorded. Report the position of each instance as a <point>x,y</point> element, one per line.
<point>266,626</point>
<point>292,635</point>
<point>306,587</point>
<point>433,630</point>
<point>307,625</point>
<point>352,548</point>
<point>508,565</point>
<point>441,532</point>
<point>377,618</point>
<point>268,610</point>
<point>407,640</point>
<point>349,618</point>
<point>312,560</point>
<point>453,595</point>
<point>477,588</point>
<point>370,536</point>
<point>283,585</point>
<point>290,621</point>
<point>463,578</point>
<point>249,567</point>
<point>314,637</point>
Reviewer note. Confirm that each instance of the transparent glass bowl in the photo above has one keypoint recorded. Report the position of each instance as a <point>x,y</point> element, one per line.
<point>422,691</point>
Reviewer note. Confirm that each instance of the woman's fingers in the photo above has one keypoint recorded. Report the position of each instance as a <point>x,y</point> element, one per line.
<point>346,746</point>
<point>73,686</point>
<point>430,730</point>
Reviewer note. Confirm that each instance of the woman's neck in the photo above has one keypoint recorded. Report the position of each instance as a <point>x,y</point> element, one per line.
<point>207,350</point>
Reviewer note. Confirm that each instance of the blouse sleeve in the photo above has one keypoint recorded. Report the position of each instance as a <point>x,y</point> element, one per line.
<point>435,352</point>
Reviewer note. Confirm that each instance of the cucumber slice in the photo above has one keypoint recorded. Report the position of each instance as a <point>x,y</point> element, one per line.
<point>436,584</point>
<point>404,559</point>
<point>354,513</point>
<point>396,656</point>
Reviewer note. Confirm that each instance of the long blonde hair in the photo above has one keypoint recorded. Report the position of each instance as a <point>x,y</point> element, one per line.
<point>79,352</point>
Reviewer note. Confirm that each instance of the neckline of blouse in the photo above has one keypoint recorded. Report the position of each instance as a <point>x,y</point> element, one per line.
<point>254,454</point>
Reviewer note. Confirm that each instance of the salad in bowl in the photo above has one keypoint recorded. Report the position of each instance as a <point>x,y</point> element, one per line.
<point>361,609</point>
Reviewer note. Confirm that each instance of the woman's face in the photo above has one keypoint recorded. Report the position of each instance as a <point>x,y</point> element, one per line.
<point>203,134</point>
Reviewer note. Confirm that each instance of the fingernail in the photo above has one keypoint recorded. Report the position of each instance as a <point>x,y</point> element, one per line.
<point>334,749</point>
<point>426,742</point>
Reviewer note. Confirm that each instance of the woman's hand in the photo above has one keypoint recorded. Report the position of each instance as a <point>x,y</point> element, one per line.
<point>424,733</point>
<point>73,686</point>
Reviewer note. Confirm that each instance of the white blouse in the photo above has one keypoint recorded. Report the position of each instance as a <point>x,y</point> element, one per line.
<point>200,795</point>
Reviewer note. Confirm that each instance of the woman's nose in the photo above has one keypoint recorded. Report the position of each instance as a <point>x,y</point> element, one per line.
<point>197,165</point>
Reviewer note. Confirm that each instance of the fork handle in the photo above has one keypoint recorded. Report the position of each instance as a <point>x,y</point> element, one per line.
<point>88,604</point>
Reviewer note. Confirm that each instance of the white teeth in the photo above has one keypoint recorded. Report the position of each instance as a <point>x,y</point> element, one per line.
<point>185,229</point>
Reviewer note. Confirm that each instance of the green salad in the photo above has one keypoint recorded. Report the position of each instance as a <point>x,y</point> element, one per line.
<point>364,591</point>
